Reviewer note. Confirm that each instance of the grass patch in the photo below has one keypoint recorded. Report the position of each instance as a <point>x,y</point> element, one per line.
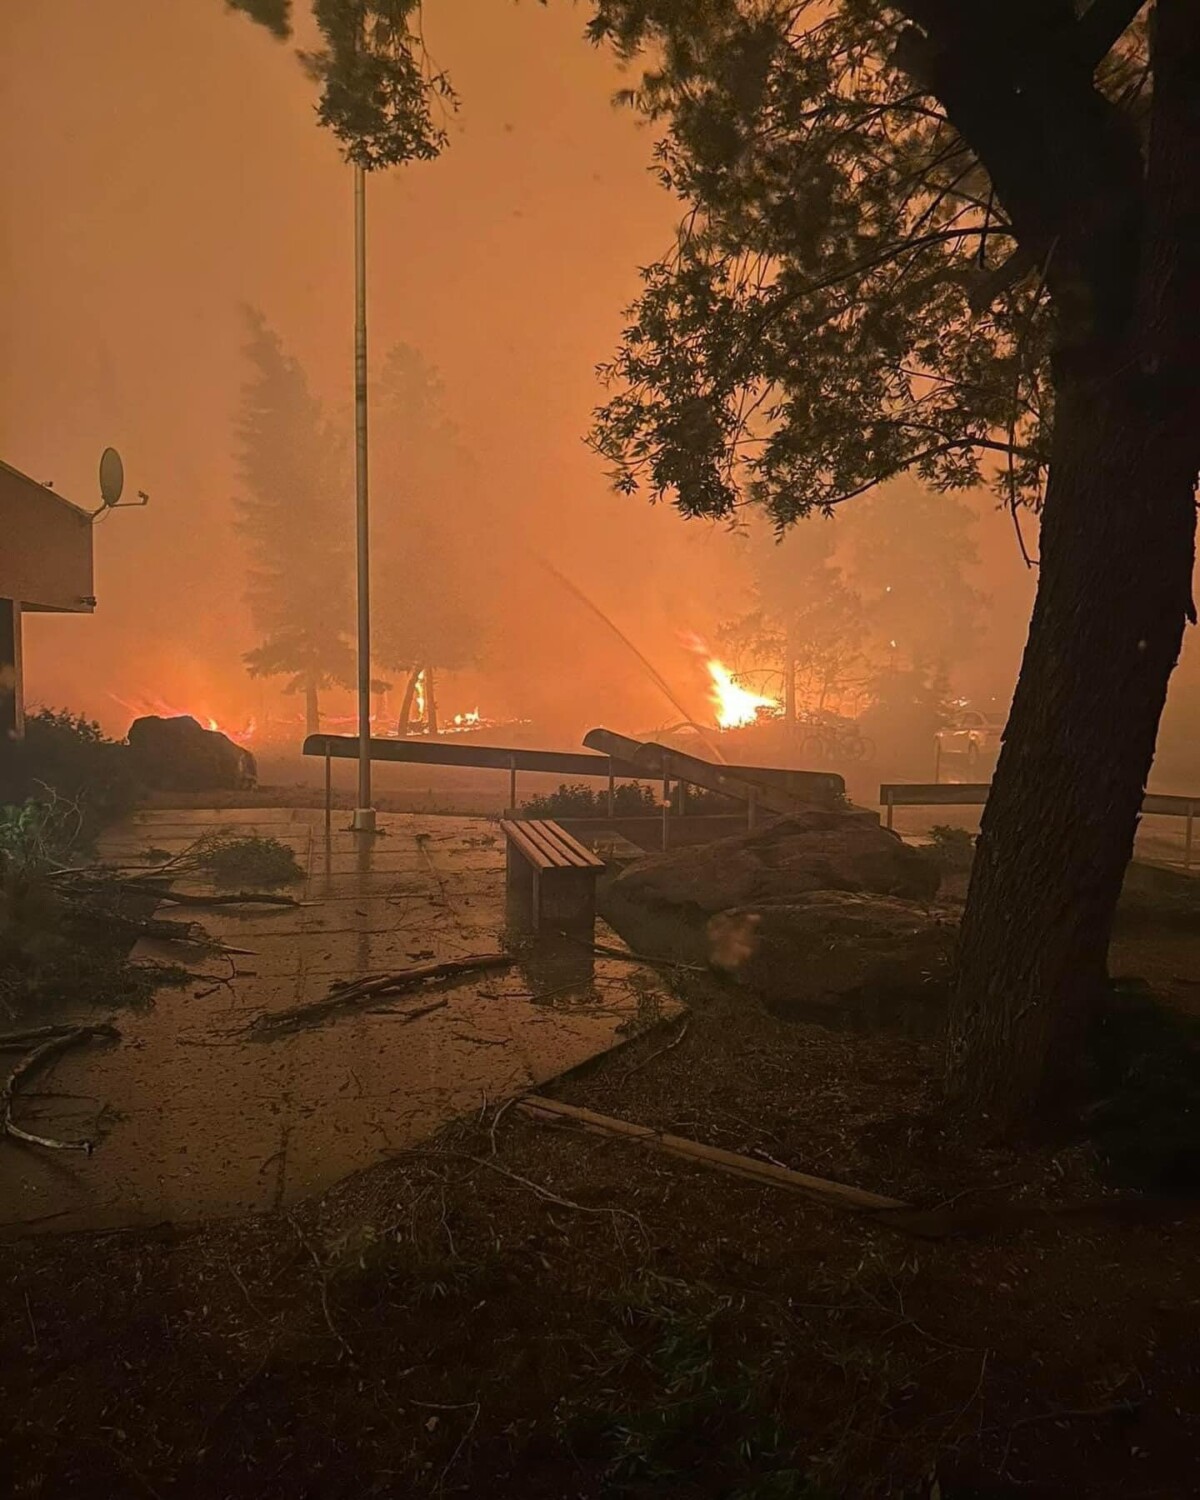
<point>692,1398</point>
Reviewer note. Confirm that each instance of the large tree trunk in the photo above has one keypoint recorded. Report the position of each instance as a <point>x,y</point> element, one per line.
<point>410,692</point>
<point>312,707</point>
<point>1057,834</point>
<point>1117,553</point>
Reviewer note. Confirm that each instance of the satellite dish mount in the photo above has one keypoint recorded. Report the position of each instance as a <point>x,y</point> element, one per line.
<point>112,483</point>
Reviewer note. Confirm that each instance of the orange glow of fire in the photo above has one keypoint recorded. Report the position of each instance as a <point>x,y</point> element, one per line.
<point>733,704</point>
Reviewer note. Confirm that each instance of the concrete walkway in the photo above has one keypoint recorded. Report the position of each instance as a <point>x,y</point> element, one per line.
<point>196,1118</point>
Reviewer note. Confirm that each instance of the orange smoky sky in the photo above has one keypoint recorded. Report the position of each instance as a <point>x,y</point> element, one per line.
<point>164,166</point>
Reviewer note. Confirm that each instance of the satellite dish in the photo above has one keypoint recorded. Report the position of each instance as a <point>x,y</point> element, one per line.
<point>112,476</point>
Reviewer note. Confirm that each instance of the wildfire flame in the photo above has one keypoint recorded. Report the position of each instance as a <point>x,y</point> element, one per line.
<point>733,704</point>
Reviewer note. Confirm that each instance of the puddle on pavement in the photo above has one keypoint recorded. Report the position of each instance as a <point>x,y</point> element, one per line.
<point>197,1118</point>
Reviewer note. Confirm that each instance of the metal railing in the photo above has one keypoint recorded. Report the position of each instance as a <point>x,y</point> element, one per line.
<point>975,793</point>
<point>759,787</point>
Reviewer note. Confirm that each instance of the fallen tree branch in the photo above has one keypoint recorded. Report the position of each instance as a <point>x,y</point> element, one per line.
<point>153,927</point>
<point>35,1034</point>
<point>150,886</point>
<point>760,1172</point>
<point>29,1064</point>
<point>346,996</point>
<point>405,1016</point>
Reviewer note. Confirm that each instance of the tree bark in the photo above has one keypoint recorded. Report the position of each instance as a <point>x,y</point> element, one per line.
<point>1057,832</point>
<point>1117,556</point>
<point>410,690</point>
<point>312,707</point>
<point>431,714</point>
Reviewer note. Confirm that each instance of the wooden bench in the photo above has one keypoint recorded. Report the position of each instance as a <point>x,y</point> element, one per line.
<point>551,874</point>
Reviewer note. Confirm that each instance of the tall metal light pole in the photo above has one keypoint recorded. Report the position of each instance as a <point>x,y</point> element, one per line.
<point>364,812</point>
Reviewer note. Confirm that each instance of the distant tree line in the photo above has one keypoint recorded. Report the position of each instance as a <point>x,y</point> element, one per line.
<point>295,513</point>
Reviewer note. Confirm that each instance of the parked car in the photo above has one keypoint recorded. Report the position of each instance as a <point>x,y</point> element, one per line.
<point>974,737</point>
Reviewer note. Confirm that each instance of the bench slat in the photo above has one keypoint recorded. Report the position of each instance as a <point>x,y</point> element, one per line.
<point>558,841</point>
<point>548,846</point>
<point>587,855</point>
<point>532,851</point>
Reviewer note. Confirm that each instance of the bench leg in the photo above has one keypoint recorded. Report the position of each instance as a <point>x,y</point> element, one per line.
<point>520,890</point>
<point>566,900</point>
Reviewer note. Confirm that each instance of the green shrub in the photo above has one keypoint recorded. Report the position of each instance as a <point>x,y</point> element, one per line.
<point>34,838</point>
<point>630,800</point>
<point>69,756</point>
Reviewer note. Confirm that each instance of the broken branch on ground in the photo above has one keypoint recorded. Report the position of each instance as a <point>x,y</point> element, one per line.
<point>29,1064</point>
<point>347,996</point>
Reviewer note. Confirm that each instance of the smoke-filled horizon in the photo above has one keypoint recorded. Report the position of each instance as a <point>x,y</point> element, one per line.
<point>171,172</point>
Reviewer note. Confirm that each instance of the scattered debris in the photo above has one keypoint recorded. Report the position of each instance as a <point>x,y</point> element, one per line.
<point>670,1047</point>
<point>347,995</point>
<point>603,950</point>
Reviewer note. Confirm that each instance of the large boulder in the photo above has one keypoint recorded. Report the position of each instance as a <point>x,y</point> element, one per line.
<point>838,954</point>
<point>813,850</point>
<point>180,755</point>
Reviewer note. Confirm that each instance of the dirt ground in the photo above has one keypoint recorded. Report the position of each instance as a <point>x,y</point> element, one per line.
<point>516,1309</point>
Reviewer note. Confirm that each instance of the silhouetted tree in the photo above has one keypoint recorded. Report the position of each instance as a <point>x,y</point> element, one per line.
<point>294,514</point>
<point>377,93</point>
<point>958,239</point>
<point>806,625</point>
<point>908,554</point>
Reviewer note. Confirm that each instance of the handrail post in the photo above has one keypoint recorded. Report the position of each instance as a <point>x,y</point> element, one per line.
<point>328,789</point>
<point>666,811</point>
<point>512,783</point>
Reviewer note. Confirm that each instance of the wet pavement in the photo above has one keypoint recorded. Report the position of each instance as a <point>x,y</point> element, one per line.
<point>198,1116</point>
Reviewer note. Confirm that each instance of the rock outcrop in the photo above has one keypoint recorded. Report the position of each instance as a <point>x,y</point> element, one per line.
<point>814,850</point>
<point>831,950</point>
<point>180,755</point>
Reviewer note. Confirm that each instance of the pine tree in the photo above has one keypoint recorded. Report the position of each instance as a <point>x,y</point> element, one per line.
<point>294,515</point>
